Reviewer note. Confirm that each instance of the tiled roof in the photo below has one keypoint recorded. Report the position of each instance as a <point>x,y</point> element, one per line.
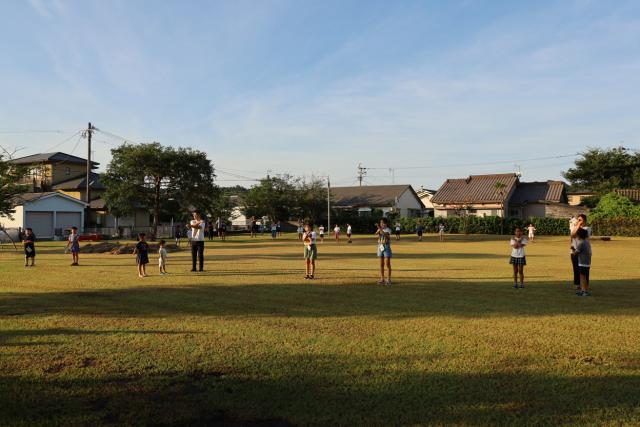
<point>80,183</point>
<point>56,157</point>
<point>369,195</point>
<point>31,197</point>
<point>528,192</point>
<point>632,194</point>
<point>476,189</point>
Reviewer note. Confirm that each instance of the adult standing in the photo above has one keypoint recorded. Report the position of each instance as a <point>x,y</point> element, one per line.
<point>197,226</point>
<point>581,222</point>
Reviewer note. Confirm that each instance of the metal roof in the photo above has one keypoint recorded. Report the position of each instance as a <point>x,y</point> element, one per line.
<point>56,157</point>
<point>476,189</point>
<point>530,192</point>
<point>369,195</point>
<point>632,194</point>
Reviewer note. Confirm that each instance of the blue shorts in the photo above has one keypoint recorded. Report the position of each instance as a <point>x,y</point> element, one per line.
<point>75,249</point>
<point>386,253</point>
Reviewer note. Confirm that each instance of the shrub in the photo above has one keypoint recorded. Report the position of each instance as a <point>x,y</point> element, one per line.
<point>614,205</point>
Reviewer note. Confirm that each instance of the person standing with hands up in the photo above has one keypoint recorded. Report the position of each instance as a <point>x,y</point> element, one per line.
<point>384,250</point>
<point>197,227</point>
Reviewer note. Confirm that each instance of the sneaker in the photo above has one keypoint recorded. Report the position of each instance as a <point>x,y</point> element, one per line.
<point>515,285</point>
<point>311,277</point>
<point>579,293</point>
<point>380,282</point>
<point>585,294</point>
<point>521,285</point>
<point>306,277</point>
<point>388,282</point>
<point>193,270</point>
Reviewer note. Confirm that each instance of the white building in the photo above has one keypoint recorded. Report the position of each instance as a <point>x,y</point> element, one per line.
<point>48,214</point>
<point>401,199</point>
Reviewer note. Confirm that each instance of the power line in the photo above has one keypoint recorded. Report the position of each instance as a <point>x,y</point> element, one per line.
<point>9,131</point>
<point>61,142</point>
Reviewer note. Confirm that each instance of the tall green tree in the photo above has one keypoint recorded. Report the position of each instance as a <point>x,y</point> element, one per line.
<point>312,199</point>
<point>275,197</point>
<point>11,185</point>
<point>157,177</point>
<point>603,170</point>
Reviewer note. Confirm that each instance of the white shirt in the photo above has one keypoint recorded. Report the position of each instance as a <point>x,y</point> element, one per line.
<point>518,252</point>
<point>531,229</point>
<point>349,230</point>
<point>337,229</point>
<point>197,233</point>
<point>321,229</point>
<point>162,256</point>
<point>312,235</point>
<point>441,228</point>
<point>574,240</point>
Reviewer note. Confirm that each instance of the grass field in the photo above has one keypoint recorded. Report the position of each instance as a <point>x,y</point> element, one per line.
<point>249,342</point>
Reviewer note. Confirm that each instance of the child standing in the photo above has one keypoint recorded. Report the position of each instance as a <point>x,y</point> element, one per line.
<point>310,251</point>
<point>321,232</point>
<point>384,250</point>
<point>336,231</point>
<point>419,231</point>
<point>518,259</point>
<point>29,242</point>
<point>300,231</point>
<point>349,233</point>
<point>583,251</point>
<point>142,255</point>
<point>532,231</point>
<point>398,229</point>
<point>441,232</point>
<point>178,235</point>
<point>274,230</point>
<point>74,242</point>
<point>162,258</point>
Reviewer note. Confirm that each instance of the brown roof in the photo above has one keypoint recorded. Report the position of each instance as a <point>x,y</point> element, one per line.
<point>632,194</point>
<point>476,189</point>
<point>56,157</point>
<point>80,183</point>
<point>369,195</point>
<point>531,192</point>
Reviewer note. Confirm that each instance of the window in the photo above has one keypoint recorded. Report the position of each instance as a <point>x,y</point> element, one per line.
<point>67,171</point>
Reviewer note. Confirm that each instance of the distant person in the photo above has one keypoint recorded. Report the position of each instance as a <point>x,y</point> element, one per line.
<point>222,231</point>
<point>278,229</point>
<point>141,251</point>
<point>398,228</point>
<point>321,233</point>
<point>336,232</point>
<point>441,232</point>
<point>196,226</point>
<point>253,227</point>
<point>583,253</point>
<point>162,258</point>
<point>532,232</point>
<point>310,251</point>
<point>300,232</point>
<point>177,235</point>
<point>580,222</point>
<point>73,243</point>
<point>29,243</point>
<point>274,230</point>
<point>419,231</point>
<point>518,259</point>
<point>211,230</point>
<point>384,250</point>
<point>349,230</point>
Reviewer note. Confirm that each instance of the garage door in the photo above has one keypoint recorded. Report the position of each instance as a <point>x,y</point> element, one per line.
<point>67,220</point>
<point>41,223</point>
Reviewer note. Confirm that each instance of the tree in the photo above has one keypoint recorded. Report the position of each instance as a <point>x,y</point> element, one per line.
<point>156,177</point>
<point>275,197</point>
<point>11,176</point>
<point>312,200</point>
<point>604,170</point>
<point>614,205</point>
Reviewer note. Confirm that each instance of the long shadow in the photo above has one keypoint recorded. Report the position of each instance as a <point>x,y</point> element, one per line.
<point>372,255</point>
<point>318,299</point>
<point>9,337</point>
<point>328,390</point>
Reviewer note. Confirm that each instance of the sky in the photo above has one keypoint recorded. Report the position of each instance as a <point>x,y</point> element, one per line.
<point>416,91</point>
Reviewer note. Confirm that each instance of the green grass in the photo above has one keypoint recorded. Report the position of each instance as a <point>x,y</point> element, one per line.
<point>249,342</point>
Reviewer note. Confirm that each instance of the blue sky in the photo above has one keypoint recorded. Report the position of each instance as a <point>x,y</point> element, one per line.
<point>318,87</point>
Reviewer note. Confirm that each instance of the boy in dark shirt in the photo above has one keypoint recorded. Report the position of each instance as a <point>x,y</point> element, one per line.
<point>28,241</point>
<point>142,255</point>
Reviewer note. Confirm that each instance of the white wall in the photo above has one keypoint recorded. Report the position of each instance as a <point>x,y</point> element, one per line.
<point>406,201</point>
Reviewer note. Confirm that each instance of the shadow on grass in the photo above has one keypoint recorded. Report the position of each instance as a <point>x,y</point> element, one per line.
<point>318,299</point>
<point>330,390</point>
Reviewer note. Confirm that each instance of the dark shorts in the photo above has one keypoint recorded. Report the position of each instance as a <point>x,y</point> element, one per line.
<point>30,252</point>
<point>518,261</point>
<point>585,272</point>
<point>419,233</point>
<point>142,258</point>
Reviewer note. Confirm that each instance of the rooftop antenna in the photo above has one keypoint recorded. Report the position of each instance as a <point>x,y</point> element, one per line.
<point>519,171</point>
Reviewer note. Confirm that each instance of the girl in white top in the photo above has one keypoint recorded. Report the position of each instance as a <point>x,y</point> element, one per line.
<point>336,231</point>
<point>518,259</point>
<point>162,258</point>
<point>349,232</point>
<point>532,231</point>
<point>321,233</point>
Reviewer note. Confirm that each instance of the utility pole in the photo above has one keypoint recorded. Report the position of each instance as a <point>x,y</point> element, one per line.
<point>88,133</point>
<point>361,173</point>
<point>328,204</point>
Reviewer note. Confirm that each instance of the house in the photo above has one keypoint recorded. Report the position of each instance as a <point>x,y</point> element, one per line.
<point>632,194</point>
<point>67,174</point>
<point>401,199</point>
<point>48,213</point>
<point>425,197</point>
<point>502,195</point>
<point>482,195</point>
